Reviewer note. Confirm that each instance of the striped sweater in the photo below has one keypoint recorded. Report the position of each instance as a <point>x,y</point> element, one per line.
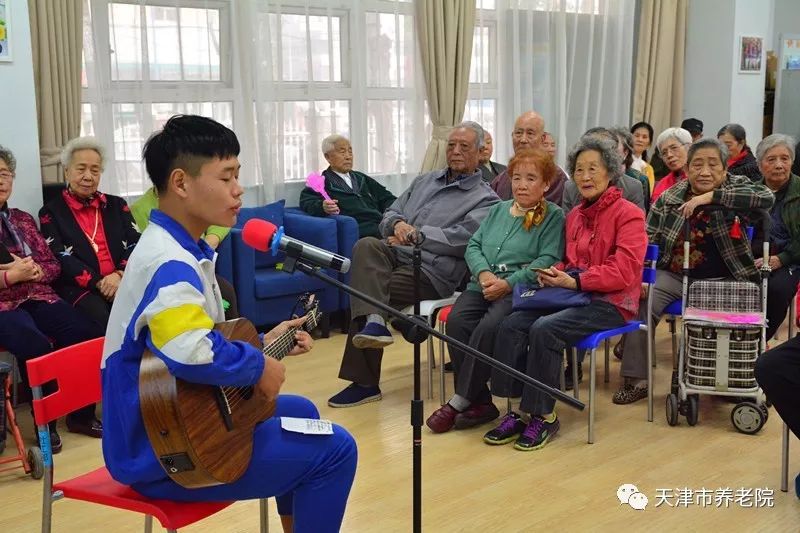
<point>168,303</point>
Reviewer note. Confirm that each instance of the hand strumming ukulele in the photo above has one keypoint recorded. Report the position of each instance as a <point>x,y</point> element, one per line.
<point>203,434</point>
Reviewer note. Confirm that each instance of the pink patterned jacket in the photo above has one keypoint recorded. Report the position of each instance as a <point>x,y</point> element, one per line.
<point>12,297</point>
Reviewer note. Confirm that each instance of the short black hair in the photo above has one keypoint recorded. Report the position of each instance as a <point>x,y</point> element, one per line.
<point>187,142</point>
<point>650,132</point>
<point>646,126</point>
<point>735,130</point>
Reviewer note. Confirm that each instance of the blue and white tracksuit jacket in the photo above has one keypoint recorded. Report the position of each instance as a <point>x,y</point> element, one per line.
<point>167,302</point>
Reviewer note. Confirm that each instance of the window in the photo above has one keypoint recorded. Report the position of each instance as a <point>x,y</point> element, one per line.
<point>283,74</point>
<point>182,44</point>
<point>144,62</point>
<point>574,70</point>
<point>390,63</point>
<point>481,106</point>
<point>340,68</point>
<point>308,64</point>
<point>298,41</point>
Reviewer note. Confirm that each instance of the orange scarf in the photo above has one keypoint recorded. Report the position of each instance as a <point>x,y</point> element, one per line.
<point>533,215</point>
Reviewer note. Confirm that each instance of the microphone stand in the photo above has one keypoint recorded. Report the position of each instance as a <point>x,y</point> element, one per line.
<point>418,331</point>
<point>416,402</point>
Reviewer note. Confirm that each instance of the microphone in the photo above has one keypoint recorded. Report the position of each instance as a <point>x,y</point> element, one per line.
<point>263,236</point>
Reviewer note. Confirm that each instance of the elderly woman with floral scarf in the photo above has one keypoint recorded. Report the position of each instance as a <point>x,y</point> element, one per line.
<point>33,319</point>
<point>604,247</point>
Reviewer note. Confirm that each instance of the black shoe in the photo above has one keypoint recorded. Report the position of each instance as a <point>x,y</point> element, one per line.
<point>91,427</point>
<point>55,441</point>
<point>448,366</point>
<point>409,332</point>
<point>568,376</point>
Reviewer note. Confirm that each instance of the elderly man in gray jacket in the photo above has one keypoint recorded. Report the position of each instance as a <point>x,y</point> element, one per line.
<point>447,206</point>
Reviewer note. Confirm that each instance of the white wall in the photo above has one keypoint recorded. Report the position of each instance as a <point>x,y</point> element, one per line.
<point>787,20</point>
<point>714,91</point>
<point>787,103</point>
<point>707,80</point>
<point>18,128</point>
<point>752,19</point>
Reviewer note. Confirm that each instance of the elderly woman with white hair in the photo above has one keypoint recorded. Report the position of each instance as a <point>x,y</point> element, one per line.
<point>775,155</point>
<point>91,233</point>
<point>673,145</point>
<point>33,319</point>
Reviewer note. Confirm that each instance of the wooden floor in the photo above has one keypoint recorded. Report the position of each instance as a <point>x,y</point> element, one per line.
<point>469,486</point>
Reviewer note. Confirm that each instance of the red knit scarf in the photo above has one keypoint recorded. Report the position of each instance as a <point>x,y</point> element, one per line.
<point>733,160</point>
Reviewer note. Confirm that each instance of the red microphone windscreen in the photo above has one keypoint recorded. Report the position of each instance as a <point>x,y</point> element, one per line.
<point>258,233</point>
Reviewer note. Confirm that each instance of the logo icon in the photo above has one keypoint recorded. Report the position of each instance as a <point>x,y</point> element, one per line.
<point>629,494</point>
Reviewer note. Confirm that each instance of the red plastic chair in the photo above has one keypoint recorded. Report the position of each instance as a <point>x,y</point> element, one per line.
<point>76,369</point>
<point>444,313</point>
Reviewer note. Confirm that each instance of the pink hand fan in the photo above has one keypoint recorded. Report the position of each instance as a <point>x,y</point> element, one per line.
<point>317,183</point>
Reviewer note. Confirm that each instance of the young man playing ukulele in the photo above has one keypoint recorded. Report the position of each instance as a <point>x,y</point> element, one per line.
<point>169,305</point>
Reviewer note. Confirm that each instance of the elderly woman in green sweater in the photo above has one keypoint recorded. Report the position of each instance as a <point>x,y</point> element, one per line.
<point>517,236</point>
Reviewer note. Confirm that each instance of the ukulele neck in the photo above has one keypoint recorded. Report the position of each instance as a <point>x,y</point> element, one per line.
<point>280,347</point>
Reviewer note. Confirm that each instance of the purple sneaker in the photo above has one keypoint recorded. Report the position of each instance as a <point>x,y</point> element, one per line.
<point>510,427</point>
<point>536,434</point>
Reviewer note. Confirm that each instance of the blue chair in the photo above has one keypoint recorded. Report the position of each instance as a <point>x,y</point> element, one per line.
<point>670,314</point>
<point>592,342</point>
<point>266,294</point>
<point>346,236</point>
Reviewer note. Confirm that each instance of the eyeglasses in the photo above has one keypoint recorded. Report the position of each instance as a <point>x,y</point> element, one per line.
<point>674,149</point>
<point>6,176</point>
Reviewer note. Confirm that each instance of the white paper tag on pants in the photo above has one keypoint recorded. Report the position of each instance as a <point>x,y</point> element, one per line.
<point>308,426</point>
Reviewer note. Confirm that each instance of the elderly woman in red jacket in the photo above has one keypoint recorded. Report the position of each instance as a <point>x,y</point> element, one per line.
<point>33,319</point>
<point>604,256</point>
<point>91,233</point>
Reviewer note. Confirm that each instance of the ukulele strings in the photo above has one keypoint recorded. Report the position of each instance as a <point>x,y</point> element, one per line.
<point>234,396</point>
<point>281,346</point>
<point>277,350</point>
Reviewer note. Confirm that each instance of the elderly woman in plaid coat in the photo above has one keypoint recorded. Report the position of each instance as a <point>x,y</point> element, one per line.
<point>719,249</point>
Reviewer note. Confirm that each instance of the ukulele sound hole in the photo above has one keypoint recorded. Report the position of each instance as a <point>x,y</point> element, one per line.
<point>247,392</point>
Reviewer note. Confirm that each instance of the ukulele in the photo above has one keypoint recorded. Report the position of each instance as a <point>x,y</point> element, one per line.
<point>203,434</point>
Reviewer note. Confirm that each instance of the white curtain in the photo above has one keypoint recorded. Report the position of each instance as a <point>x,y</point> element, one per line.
<point>282,74</point>
<point>569,60</point>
